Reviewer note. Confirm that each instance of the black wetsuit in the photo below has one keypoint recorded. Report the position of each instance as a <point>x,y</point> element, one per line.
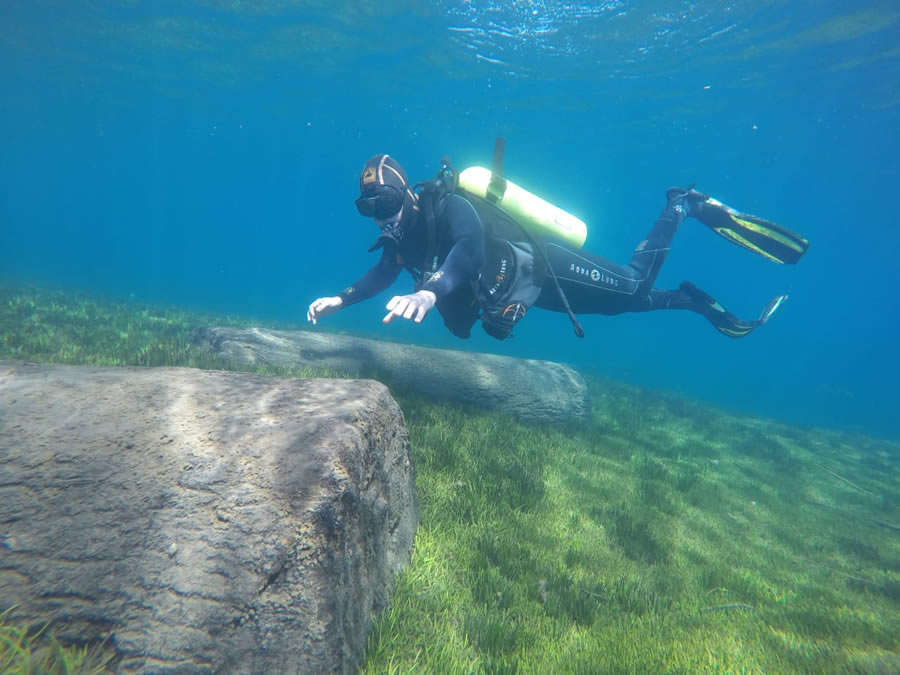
<point>473,270</point>
<point>594,285</point>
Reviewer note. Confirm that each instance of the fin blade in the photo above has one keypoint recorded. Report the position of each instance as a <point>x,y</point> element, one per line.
<point>773,306</point>
<point>763,237</point>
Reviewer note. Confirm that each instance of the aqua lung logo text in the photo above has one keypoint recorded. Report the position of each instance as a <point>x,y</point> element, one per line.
<point>594,275</point>
<point>501,275</point>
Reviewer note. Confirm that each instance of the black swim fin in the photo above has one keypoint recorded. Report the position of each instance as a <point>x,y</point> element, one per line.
<point>763,237</point>
<point>724,321</point>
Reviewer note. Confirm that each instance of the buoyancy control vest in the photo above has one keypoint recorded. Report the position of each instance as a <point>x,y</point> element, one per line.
<point>513,272</point>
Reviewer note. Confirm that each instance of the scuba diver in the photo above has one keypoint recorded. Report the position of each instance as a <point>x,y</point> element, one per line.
<point>471,244</point>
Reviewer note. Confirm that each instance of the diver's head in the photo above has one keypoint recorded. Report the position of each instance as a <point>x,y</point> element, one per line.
<point>385,195</point>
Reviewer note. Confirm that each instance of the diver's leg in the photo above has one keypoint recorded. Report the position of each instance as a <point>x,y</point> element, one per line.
<point>593,285</point>
<point>756,234</point>
<point>651,253</point>
<point>692,298</point>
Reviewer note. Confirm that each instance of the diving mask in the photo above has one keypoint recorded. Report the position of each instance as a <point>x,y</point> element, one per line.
<point>382,202</point>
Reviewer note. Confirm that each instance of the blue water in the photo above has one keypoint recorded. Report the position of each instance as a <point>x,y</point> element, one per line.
<point>206,155</point>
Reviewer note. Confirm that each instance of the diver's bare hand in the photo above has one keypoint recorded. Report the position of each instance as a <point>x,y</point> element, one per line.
<point>323,307</point>
<point>414,306</point>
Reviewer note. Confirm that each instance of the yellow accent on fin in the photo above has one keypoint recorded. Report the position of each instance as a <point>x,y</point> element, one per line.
<point>731,236</point>
<point>769,233</point>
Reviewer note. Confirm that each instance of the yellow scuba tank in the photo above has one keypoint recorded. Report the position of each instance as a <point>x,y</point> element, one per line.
<point>539,217</point>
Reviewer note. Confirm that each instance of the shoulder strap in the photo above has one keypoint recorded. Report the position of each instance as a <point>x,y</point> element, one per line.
<point>430,210</point>
<point>433,196</point>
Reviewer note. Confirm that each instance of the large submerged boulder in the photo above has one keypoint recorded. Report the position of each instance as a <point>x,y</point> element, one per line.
<point>203,521</point>
<point>531,390</point>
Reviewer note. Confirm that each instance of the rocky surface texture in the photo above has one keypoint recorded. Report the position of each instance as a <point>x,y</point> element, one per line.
<point>203,521</point>
<point>535,391</point>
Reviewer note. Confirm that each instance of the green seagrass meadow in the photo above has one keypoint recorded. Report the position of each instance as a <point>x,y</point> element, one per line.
<point>661,535</point>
